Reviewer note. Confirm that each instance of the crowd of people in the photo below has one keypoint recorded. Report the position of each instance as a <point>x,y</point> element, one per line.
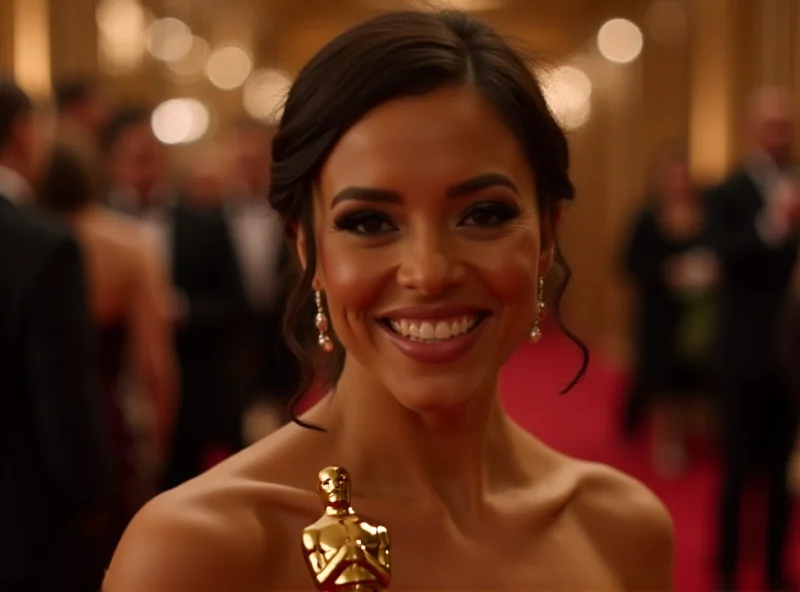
<point>716,271</point>
<point>148,297</point>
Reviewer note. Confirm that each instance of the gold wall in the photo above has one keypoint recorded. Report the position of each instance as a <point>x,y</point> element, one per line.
<point>692,90</point>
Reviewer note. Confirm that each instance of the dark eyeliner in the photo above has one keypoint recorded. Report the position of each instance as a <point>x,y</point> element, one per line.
<point>504,211</point>
<point>351,222</point>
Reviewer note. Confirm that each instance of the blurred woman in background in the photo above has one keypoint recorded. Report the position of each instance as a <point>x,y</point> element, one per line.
<point>130,304</point>
<point>674,275</point>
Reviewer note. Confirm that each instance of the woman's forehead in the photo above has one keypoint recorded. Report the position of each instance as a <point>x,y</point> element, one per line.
<point>452,132</point>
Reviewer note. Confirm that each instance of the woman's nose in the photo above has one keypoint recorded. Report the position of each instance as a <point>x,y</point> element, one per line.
<point>430,265</point>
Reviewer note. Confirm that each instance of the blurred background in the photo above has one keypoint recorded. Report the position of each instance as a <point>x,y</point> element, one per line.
<point>196,86</point>
<point>631,75</point>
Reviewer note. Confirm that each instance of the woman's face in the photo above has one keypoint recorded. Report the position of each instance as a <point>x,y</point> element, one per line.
<point>676,183</point>
<point>430,246</point>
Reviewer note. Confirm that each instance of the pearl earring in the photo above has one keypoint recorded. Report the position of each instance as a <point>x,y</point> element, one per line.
<point>536,331</point>
<point>321,322</point>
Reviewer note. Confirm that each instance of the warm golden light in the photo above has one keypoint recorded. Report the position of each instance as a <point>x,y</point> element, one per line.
<point>180,121</point>
<point>32,46</point>
<point>265,93</point>
<point>169,39</point>
<point>194,62</point>
<point>568,92</point>
<point>620,40</point>
<point>121,27</point>
<point>228,67</point>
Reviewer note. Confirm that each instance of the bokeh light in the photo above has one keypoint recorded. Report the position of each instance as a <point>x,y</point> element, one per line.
<point>180,121</point>
<point>568,92</point>
<point>228,67</point>
<point>121,29</point>
<point>265,94</point>
<point>620,41</point>
<point>169,39</point>
<point>194,62</point>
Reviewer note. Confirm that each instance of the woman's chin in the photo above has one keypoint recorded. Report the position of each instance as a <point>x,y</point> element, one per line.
<point>444,396</point>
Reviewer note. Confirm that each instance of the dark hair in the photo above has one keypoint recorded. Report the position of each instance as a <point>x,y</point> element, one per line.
<point>390,56</point>
<point>14,103</point>
<point>69,93</point>
<point>66,184</point>
<point>120,121</point>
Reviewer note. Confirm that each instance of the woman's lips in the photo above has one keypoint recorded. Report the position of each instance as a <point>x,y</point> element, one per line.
<point>434,330</point>
<point>434,336</point>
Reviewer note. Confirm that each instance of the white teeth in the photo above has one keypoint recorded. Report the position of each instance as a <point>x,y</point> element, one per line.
<point>426,331</point>
<point>430,331</point>
<point>442,331</point>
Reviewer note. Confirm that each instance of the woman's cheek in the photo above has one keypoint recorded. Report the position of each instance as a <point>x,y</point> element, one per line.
<point>353,278</point>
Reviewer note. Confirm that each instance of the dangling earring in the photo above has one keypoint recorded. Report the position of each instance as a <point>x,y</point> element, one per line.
<point>321,321</point>
<point>536,331</point>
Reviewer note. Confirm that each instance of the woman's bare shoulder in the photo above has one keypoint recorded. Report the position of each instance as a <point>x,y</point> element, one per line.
<point>625,522</point>
<point>112,236</point>
<point>630,526</point>
<point>189,540</point>
<point>111,226</point>
<point>216,532</point>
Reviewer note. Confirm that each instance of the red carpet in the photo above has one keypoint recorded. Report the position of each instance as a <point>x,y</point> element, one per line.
<point>583,424</point>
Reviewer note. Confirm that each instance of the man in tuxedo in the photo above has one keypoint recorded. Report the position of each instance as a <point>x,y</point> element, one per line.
<point>82,110</point>
<point>753,226</point>
<point>55,474</point>
<point>208,296</point>
<point>269,374</point>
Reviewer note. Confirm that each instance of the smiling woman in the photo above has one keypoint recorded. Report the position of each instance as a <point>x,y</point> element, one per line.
<point>420,177</point>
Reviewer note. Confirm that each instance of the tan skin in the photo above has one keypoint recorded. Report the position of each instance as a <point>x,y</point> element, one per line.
<point>470,499</point>
<point>128,283</point>
<point>680,214</point>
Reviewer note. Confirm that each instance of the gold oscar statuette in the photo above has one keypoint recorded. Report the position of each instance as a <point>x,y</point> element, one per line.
<point>343,551</point>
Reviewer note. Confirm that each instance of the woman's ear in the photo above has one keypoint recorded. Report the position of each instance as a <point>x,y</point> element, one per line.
<point>546,259</point>
<point>549,229</point>
<point>301,245</point>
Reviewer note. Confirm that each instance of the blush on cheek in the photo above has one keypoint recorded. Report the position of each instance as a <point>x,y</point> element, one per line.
<point>510,269</point>
<point>513,278</point>
<point>353,279</point>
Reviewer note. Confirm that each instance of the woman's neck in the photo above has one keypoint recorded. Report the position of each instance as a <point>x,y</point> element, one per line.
<point>450,458</point>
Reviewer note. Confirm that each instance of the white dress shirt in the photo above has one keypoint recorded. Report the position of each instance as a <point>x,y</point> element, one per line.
<point>257,235</point>
<point>773,184</point>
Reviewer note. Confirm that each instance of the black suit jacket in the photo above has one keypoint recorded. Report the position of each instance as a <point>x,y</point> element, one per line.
<point>790,343</point>
<point>660,308</point>
<point>54,469</point>
<point>755,278</point>
<point>205,270</point>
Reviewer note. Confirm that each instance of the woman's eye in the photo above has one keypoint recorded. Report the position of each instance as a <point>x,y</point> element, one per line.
<point>489,214</point>
<point>365,223</point>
